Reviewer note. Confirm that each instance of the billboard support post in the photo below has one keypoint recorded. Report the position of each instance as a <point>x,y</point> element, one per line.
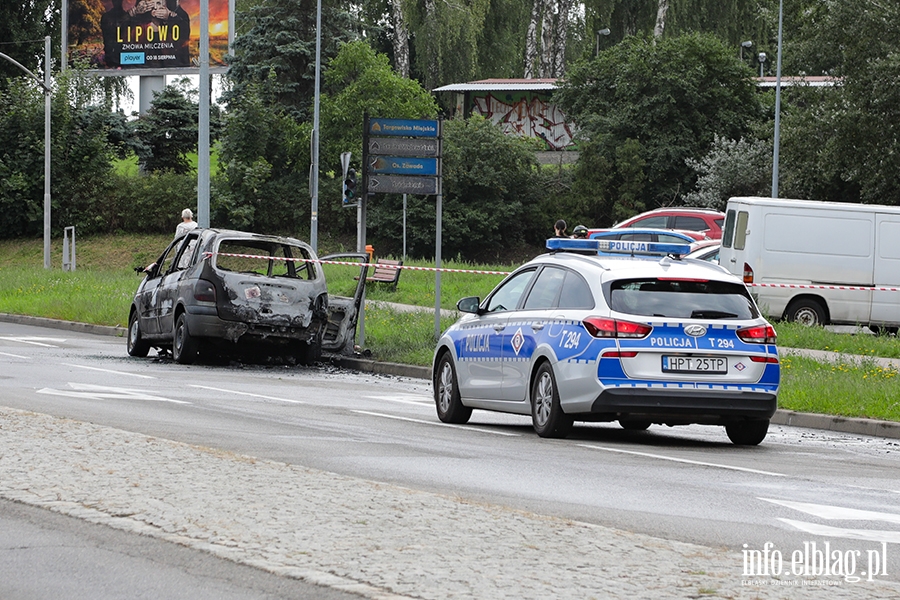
<point>203,121</point>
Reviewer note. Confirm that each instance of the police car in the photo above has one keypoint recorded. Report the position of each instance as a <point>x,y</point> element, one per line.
<point>645,337</point>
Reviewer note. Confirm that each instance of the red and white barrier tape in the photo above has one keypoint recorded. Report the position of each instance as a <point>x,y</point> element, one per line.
<point>479,272</point>
<point>824,287</point>
<point>356,264</point>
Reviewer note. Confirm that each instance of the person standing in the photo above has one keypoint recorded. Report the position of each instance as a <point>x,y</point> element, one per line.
<point>560,229</point>
<point>187,223</point>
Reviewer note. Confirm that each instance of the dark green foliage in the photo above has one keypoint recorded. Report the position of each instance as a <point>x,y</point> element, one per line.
<point>167,133</point>
<point>643,107</point>
<point>23,26</point>
<point>280,49</point>
<point>489,183</point>
<point>264,162</point>
<point>147,203</point>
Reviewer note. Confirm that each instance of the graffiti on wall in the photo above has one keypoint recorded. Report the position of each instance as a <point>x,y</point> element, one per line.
<point>527,115</point>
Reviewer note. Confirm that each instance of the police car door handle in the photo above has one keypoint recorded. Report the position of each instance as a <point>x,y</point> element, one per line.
<point>537,326</point>
<point>499,327</point>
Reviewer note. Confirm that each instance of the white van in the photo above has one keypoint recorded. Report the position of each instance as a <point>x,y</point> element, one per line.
<point>817,262</point>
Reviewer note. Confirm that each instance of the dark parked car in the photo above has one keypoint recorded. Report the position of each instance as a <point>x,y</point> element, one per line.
<point>218,290</point>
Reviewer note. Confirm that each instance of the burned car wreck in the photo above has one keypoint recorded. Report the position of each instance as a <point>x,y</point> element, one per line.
<point>219,291</point>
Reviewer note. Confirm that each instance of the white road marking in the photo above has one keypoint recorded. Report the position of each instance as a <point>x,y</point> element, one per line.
<point>36,341</point>
<point>837,513</point>
<point>867,535</point>
<point>100,392</point>
<point>684,460</point>
<point>14,355</point>
<point>466,427</point>
<point>403,399</point>
<point>108,371</point>
<point>206,387</point>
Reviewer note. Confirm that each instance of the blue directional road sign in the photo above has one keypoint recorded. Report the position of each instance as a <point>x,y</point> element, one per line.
<point>396,165</point>
<point>404,127</point>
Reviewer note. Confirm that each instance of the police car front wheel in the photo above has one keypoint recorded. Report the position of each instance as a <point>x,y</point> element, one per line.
<point>547,415</point>
<point>449,405</point>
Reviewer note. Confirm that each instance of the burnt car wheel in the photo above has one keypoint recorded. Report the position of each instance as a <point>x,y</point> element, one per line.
<point>747,433</point>
<point>634,424</point>
<point>547,415</point>
<point>309,353</point>
<point>449,405</point>
<point>137,345</point>
<point>184,347</point>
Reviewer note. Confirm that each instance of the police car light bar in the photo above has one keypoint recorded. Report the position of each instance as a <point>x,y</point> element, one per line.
<point>617,247</point>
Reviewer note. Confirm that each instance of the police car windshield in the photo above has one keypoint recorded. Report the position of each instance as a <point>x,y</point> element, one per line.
<point>682,299</point>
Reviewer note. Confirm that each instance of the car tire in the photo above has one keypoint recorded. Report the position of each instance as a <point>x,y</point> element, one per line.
<point>547,416</point>
<point>184,347</point>
<point>447,400</point>
<point>634,424</point>
<point>806,312</point>
<point>747,433</point>
<point>136,344</point>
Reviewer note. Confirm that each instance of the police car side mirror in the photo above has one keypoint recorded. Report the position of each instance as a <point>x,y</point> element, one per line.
<point>469,304</point>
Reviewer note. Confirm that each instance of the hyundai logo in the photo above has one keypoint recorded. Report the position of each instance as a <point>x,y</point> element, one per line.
<point>695,330</point>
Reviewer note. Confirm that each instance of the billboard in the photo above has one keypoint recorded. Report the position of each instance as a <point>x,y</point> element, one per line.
<point>150,37</point>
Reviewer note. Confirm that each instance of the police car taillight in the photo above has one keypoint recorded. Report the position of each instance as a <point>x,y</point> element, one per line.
<point>748,273</point>
<point>600,327</point>
<point>761,334</point>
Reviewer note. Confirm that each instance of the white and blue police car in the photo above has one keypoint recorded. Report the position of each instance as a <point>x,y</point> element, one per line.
<point>645,337</point>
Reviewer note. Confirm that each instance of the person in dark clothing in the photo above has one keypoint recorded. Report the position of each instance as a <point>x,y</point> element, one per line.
<point>560,229</point>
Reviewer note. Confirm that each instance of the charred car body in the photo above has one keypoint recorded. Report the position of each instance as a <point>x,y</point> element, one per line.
<point>219,290</point>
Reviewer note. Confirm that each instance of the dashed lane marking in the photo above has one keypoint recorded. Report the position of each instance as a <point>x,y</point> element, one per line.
<point>108,371</point>
<point>206,387</point>
<point>683,460</point>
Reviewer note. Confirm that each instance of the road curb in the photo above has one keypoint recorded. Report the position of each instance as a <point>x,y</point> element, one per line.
<point>65,325</point>
<point>857,426</point>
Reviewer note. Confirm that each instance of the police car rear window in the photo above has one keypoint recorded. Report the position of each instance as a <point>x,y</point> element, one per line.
<point>682,299</point>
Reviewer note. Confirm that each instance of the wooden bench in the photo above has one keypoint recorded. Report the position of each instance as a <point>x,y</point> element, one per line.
<point>386,271</point>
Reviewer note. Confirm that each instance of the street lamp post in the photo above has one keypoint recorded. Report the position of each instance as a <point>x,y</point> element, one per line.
<point>762,59</point>
<point>747,44</point>
<point>777,138</point>
<point>604,31</point>
<point>47,90</point>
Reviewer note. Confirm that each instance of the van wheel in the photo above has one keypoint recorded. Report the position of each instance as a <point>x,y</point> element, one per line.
<point>747,433</point>
<point>806,312</point>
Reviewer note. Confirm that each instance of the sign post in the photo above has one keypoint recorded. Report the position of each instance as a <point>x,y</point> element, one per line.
<point>403,156</point>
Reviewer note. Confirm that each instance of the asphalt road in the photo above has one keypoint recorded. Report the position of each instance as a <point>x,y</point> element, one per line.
<point>688,484</point>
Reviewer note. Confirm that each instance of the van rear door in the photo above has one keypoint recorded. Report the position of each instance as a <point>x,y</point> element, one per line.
<point>886,305</point>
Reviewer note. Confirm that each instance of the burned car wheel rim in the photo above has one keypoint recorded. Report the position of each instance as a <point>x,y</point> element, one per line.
<point>543,398</point>
<point>445,387</point>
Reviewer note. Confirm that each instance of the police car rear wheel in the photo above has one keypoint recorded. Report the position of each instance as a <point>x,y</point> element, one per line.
<point>747,433</point>
<point>547,415</point>
<point>449,405</point>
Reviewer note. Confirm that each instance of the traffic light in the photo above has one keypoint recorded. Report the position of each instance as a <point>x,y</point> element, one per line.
<point>350,187</point>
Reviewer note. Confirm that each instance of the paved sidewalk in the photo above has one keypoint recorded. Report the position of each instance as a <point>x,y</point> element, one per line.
<point>378,540</point>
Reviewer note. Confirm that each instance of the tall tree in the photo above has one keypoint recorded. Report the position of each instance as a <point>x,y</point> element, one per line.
<point>400,38</point>
<point>23,26</point>
<point>669,97</point>
<point>282,40</point>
